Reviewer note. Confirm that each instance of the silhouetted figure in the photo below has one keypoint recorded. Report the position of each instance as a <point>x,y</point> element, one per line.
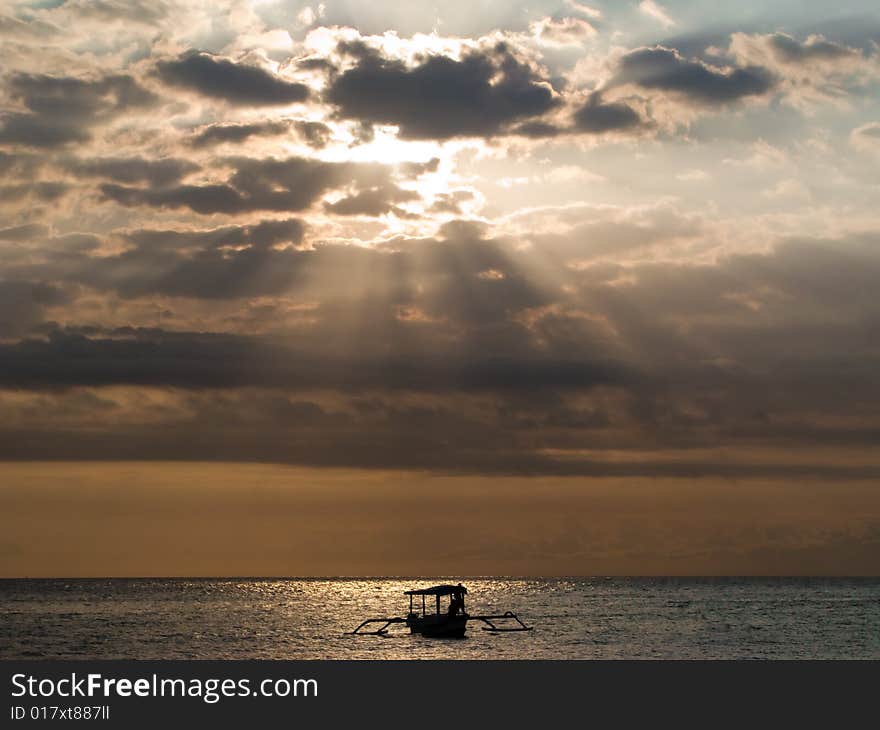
<point>456,605</point>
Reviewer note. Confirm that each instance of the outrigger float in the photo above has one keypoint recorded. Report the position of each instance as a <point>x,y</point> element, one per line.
<point>448,623</point>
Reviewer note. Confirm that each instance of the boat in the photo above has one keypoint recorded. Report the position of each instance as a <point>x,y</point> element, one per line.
<point>451,623</point>
<point>436,618</point>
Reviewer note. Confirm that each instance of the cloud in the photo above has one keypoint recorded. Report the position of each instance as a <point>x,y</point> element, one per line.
<point>657,12</point>
<point>63,109</point>
<point>264,233</point>
<point>200,361</point>
<point>237,83</point>
<point>229,262</point>
<point>158,173</point>
<point>148,12</point>
<point>220,133</point>
<point>451,202</point>
<point>598,117</point>
<point>22,304</point>
<point>31,130</point>
<point>209,273</point>
<point>562,31</point>
<point>546,374</point>
<point>204,199</point>
<point>19,165</point>
<point>24,232</point>
<point>319,313</point>
<point>814,48</point>
<point>665,69</point>
<point>440,97</point>
<point>538,130</point>
<point>30,28</point>
<point>415,169</point>
<point>583,9</point>
<point>810,72</point>
<point>314,134</point>
<point>288,184</point>
<point>42,191</point>
<point>867,136</point>
<point>693,175</point>
<point>372,201</point>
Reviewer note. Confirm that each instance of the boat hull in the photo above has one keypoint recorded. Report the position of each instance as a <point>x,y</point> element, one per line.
<point>438,626</point>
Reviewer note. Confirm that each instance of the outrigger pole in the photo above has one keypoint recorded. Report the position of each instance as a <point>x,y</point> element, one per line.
<point>382,630</point>
<point>386,622</point>
<point>507,614</point>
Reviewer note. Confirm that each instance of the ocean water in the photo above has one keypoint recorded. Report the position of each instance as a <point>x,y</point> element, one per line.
<point>577,618</point>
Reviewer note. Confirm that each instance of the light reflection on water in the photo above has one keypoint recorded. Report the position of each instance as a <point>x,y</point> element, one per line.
<point>309,619</point>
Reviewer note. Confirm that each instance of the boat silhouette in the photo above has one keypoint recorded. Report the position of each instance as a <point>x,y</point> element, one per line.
<point>435,621</point>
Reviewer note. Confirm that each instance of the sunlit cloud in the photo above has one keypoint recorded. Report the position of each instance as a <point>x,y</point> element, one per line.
<point>562,32</point>
<point>657,12</point>
<point>586,10</point>
<point>867,137</point>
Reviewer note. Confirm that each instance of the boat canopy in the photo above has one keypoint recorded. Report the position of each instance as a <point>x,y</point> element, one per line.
<point>444,590</point>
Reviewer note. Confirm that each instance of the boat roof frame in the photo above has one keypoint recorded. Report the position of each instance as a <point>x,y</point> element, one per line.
<point>441,590</point>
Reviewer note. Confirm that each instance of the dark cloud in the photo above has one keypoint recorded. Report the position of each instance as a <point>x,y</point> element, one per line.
<point>451,202</point>
<point>19,165</point>
<point>440,97</point>
<point>471,360</point>
<point>665,69</point>
<point>157,173</point>
<point>229,262</point>
<point>264,233</point>
<point>316,64</point>
<point>220,133</point>
<point>206,274</point>
<point>372,201</point>
<point>194,360</point>
<point>205,199</point>
<point>598,117</point>
<point>32,130</point>
<point>790,50</point>
<point>415,169</point>
<point>22,304</point>
<point>459,274</point>
<point>43,191</point>
<point>71,243</point>
<point>24,232</point>
<point>290,184</point>
<point>63,109</point>
<point>314,134</point>
<point>403,441</point>
<point>222,263</point>
<point>81,98</point>
<point>236,83</point>
<point>537,130</point>
<point>256,260</point>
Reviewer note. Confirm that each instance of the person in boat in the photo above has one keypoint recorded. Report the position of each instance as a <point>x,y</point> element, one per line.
<point>456,605</point>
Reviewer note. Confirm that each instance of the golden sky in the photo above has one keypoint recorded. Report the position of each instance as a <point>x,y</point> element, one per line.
<point>196,519</point>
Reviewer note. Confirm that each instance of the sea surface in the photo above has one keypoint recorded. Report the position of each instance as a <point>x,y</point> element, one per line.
<point>577,618</point>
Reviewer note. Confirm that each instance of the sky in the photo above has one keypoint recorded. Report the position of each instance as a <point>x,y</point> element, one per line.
<point>555,288</point>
